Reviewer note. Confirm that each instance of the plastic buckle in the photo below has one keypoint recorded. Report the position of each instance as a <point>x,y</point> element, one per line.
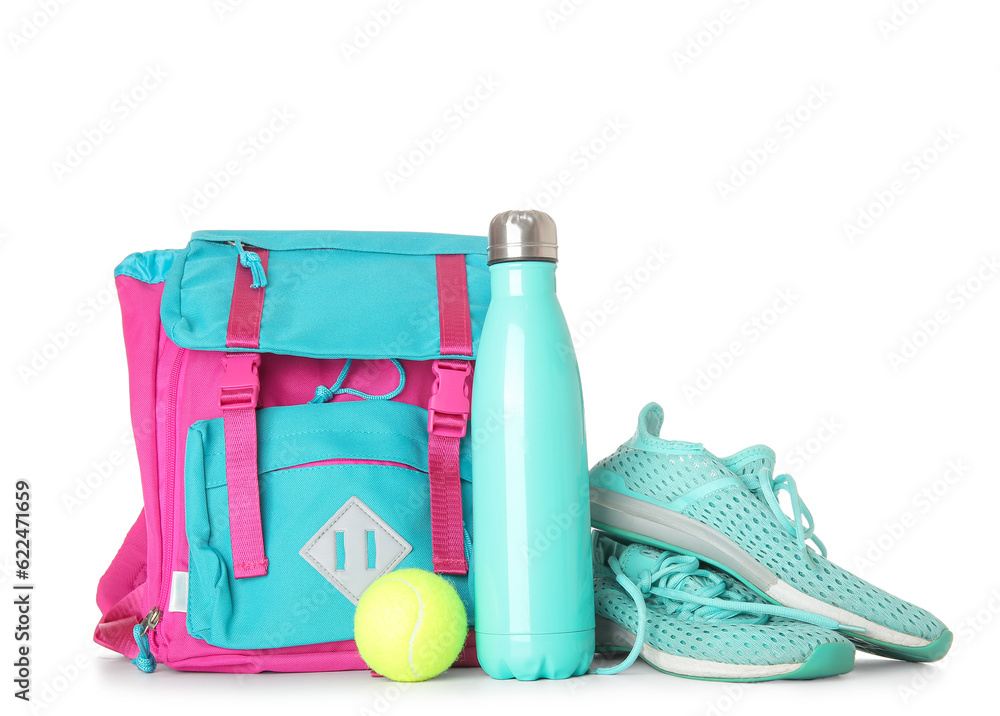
<point>449,398</point>
<point>240,384</point>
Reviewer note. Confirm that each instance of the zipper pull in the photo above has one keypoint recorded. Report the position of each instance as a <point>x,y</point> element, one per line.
<point>151,620</point>
<point>251,260</point>
<point>145,660</point>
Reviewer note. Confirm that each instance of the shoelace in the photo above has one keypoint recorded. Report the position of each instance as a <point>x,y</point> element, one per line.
<point>324,394</point>
<point>800,526</point>
<point>668,581</point>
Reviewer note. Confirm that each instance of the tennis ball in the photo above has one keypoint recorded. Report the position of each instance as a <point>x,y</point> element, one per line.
<point>410,625</point>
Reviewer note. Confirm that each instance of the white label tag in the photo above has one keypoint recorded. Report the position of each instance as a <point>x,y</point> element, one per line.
<point>178,592</point>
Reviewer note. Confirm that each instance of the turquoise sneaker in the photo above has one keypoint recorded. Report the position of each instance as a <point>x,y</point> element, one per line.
<point>678,496</point>
<point>688,619</point>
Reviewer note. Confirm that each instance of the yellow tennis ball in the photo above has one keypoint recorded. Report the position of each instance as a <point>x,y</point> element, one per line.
<point>410,625</point>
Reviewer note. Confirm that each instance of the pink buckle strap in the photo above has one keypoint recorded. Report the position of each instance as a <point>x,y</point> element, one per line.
<point>448,416</point>
<point>447,535</point>
<point>453,305</point>
<point>238,393</point>
<point>240,385</point>
<point>238,396</point>
<point>449,404</point>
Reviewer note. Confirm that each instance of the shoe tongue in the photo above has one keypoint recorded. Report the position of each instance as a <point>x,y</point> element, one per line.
<point>638,558</point>
<point>754,465</point>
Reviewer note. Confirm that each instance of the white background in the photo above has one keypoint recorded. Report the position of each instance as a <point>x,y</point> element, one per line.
<point>683,109</point>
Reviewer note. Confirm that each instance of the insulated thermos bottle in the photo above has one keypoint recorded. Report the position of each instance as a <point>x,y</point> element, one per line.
<point>534,578</point>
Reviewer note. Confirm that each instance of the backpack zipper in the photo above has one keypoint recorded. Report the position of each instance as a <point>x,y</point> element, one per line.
<point>155,614</point>
<point>151,619</point>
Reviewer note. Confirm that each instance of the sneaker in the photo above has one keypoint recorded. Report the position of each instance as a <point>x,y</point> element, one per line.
<point>688,619</point>
<point>678,496</point>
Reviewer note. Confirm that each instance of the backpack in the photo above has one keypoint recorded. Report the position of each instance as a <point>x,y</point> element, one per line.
<point>300,402</point>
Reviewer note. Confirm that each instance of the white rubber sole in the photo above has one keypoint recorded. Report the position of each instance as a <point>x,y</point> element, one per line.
<point>672,528</point>
<point>610,633</point>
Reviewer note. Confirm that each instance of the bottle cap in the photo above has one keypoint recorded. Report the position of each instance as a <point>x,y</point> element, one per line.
<point>522,236</point>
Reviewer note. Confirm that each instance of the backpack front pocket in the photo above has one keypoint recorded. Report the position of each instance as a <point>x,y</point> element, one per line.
<point>344,498</point>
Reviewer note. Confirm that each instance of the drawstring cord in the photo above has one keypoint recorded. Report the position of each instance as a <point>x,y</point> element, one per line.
<point>323,394</point>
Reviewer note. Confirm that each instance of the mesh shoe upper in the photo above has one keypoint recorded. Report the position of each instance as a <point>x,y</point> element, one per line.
<point>734,639</point>
<point>665,471</point>
<point>739,515</point>
<point>780,641</point>
<point>663,477</point>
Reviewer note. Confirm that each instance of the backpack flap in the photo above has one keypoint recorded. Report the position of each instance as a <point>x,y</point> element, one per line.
<point>328,294</point>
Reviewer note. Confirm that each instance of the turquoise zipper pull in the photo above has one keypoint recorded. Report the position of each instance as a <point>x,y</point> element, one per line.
<point>251,260</point>
<point>145,660</point>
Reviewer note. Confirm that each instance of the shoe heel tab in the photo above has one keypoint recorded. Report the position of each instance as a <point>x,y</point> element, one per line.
<point>604,547</point>
<point>647,434</point>
<point>651,420</point>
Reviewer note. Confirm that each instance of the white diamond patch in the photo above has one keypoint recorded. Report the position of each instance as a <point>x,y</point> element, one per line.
<point>355,548</point>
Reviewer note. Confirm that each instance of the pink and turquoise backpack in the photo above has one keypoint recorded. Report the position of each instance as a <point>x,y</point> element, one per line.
<point>300,402</point>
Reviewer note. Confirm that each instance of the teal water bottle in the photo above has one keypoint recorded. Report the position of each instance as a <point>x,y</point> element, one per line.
<point>531,508</point>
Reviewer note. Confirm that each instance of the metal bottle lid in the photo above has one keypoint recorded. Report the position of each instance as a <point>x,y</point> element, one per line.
<point>522,236</point>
